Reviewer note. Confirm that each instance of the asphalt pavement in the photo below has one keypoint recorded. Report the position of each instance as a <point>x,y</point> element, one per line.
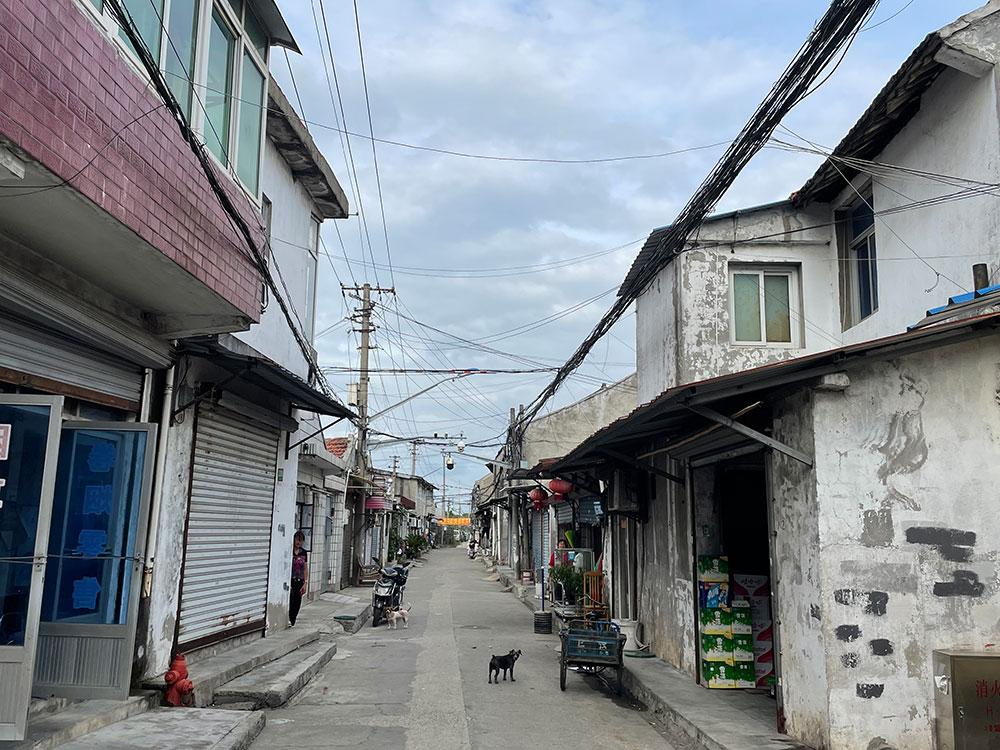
<point>426,686</point>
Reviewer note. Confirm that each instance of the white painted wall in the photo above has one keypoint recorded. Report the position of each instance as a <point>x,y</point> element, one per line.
<point>924,458</point>
<point>955,133</point>
<point>291,210</point>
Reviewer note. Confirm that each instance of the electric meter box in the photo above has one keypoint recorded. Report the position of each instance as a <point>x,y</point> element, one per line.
<point>967,700</point>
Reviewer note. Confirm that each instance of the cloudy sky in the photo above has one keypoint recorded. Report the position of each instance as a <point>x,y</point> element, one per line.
<point>486,250</point>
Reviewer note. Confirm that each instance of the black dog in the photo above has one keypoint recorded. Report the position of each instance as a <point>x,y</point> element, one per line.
<point>505,663</point>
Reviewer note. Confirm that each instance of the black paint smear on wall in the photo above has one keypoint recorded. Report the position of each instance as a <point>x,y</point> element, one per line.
<point>850,661</point>
<point>848,633</point>
<point>876,600</point>
<point>876,603</point>
<point>814,612</point>
<point>952,544</point>
<point>963,583</point>
<point>870,690</point>
<point>881,646</point>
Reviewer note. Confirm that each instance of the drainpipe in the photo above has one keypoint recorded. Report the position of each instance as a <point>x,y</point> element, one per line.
<point>158,472</point>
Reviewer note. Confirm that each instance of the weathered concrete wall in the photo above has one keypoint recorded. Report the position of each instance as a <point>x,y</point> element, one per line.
<point>705,343</point>
<point>909,541</point>
<point>656,336</point>
<point>796,577</point>
<point>282,530</point>
<point>666,586</point>
<point>169,553</point>
<point>683,327</point>
<point>557,433</point>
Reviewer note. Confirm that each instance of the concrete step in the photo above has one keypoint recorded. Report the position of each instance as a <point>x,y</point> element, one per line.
<point>209,674</point>
<point>273,684</point>
<point>53,725</point>
<point>173,728</point>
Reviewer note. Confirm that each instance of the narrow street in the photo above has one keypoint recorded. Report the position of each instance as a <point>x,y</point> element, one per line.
<point>425,687</point>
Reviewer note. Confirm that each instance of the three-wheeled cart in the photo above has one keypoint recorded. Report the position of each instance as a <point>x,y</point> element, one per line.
<point>591,646</point>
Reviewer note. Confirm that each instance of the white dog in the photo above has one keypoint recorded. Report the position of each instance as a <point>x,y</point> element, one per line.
<point>392,616</point>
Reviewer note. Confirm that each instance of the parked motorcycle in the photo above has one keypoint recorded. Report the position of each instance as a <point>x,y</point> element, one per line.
<point>388,591</point>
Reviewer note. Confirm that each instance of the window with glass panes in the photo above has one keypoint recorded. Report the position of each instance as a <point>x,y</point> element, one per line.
<point>214,57</point>
<point>764,305</point>
<point>311,267</point>
<point>862,259</point>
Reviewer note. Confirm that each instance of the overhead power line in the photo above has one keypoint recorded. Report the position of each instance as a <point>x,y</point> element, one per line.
<point>837,28</point>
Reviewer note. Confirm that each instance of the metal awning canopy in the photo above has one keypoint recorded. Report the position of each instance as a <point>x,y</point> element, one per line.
<point>251,367</point>
<point>725,415</point>
<point>274,24</point>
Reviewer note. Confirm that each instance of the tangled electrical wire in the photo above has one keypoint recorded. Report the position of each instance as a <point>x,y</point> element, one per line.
<point>834,32</point>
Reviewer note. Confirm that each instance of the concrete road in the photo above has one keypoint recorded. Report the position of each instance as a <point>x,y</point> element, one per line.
<point>425,687</point>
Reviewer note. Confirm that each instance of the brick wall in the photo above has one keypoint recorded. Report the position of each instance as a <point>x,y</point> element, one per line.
<point>65,91</point>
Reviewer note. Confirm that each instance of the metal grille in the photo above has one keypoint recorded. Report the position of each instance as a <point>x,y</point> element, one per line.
<point>226,561</point>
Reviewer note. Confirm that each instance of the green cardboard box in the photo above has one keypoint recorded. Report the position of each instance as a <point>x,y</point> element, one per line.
<point>717,675</point>
<point>717,648</point>
<point>743,648</point>
<point>742,622</point>
<point>717,622</point>
<point>746,676</point>
<point>713,568</point>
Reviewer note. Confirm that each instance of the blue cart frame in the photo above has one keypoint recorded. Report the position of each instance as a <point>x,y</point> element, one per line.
<point>592,647</point>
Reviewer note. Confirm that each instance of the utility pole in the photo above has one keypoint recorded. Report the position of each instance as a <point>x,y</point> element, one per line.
<point>413,458</point>
<point>366,329</point>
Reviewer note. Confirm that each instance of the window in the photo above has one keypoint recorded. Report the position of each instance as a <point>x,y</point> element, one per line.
<point>251,110</point>
<point>764,306</point>
<point>218,103</point>
<point>213,54</point>
<point>863,262</point>
<point>311,265</point>
<point>146,15</point>
<point>179,57</point>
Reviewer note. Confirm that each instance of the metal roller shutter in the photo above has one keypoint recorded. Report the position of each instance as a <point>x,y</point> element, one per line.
<point>546,537</point>
<point>35,350</point>
<point>224,584</point>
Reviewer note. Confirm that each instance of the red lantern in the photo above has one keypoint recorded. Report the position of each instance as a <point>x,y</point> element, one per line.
<point>561,486</point>
<point>538,496</point>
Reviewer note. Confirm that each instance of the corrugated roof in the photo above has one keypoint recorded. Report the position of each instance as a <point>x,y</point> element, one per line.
<point>667,415</point>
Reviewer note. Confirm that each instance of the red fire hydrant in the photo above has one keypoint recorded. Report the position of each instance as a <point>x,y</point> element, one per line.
<point>180,690</point>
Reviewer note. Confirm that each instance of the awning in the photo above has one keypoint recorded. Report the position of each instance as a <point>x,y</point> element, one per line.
<point>407,503</point>
<point>274,23</point>
<point>375,502</point>
<point>719,415</point>
<point>252,367</point>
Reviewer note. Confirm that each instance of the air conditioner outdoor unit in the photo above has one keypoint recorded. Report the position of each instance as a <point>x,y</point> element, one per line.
<point>309,449</point>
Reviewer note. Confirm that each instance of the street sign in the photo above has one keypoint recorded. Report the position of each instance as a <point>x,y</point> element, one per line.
<point>455,522</point>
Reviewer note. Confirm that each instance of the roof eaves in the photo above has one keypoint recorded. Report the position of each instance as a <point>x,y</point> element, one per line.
<point>308,165</point>
<point>274,23</point>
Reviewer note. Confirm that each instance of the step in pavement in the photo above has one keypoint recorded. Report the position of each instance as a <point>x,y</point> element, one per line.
<point>56,722</point>
<point>274,683</point>
<point>211,673</point>
<point>173,728</point>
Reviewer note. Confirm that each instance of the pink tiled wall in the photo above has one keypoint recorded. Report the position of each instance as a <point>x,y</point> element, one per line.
<point>65,91</point>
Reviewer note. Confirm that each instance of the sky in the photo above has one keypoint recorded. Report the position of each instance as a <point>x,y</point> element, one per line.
<point>507,257</point>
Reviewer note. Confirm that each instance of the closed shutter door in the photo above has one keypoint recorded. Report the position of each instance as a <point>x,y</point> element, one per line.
<point>31,349</point>
<point>224,586</point>
<point>536,541</point>
<point>564,513</point>
<point>546,541</point>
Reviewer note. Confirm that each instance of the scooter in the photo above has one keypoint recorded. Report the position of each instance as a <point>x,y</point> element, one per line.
<point>388,591</point>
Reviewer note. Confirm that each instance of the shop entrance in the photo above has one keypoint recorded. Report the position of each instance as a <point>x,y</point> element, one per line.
<point>737,636</point>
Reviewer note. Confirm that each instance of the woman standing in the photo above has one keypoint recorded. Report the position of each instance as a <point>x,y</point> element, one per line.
<point>299,577</point>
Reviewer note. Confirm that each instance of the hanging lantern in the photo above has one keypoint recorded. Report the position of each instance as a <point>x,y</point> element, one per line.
<point>561,486</point>
<point>538,496</point>
<point>556,498</point>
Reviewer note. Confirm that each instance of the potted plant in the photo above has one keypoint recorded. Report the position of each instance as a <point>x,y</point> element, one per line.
<point>569,579</point>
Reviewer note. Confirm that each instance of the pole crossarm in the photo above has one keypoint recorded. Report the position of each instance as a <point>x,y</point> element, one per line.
<point>760,437</point>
